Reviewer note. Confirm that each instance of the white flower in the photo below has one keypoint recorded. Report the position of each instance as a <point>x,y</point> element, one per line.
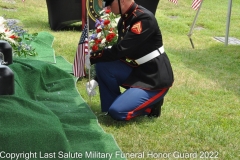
<point>99,35</point>
<point>105,16</point>
<point>2,29</point>
<point>10,40</point>
<point>2,20</point>
<point>103,40</point>
<point>102,45</point>
<point>114,24</point>
<point>102,11</point>
<point>8,33</point>
<point>117,19</point>
<point>2,26</point>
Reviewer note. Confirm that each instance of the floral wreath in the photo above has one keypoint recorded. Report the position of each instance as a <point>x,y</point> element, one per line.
<point>105,34</point>
<point>18,38</point>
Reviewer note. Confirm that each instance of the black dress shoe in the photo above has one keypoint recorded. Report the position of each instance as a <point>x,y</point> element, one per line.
<point>156,109</point>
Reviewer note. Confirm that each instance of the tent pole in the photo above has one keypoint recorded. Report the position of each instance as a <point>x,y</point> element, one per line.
<point>228,21</point>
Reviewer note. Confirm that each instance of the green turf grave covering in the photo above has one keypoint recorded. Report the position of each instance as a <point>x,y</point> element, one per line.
<point>47,117</point>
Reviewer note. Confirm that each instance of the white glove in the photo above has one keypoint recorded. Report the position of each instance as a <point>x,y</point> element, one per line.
<point>87,61</point>
<point>90,86</point>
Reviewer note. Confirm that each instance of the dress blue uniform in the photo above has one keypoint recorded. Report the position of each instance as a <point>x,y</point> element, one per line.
<point>134,63</point>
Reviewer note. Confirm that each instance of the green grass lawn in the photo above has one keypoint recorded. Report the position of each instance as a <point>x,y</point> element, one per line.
<point>201,113</point>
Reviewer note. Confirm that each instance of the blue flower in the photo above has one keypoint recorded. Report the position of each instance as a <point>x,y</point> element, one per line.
<point>99,22</point>
<point>93,36</point>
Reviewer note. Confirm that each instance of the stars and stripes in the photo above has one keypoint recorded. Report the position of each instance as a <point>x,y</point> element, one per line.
<point>174,1</point>
<point>82,49</point>
<point>196,4</point>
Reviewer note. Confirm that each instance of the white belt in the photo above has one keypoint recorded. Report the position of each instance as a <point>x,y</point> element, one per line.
<point>150,56</point>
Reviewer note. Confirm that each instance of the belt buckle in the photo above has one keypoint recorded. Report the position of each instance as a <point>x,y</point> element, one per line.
<point>135,62</point>
<point>128,60</point>
<point>131,61</point>
<point>161,49</point>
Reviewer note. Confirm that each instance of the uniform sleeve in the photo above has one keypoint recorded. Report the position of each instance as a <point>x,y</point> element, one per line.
<point>140,30</point>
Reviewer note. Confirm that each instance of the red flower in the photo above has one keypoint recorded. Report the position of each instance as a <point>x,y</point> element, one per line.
<point>107,11</point>
<point>97,41</point>
<point>13,37</point>
<point>106,22</point>
<point>99,30</point>
<point>94,47</point>
<point>110,37</point>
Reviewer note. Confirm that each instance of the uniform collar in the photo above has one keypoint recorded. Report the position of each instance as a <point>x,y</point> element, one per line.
<point>130,10</point>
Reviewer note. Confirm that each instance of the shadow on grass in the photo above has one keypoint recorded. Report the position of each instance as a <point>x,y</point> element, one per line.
<point>107,120</point>
<point>219,63</point>
<point>73,27</point>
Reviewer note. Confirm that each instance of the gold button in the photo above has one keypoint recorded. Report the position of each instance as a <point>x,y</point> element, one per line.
<point>94,54</point>
<point>121,37</point>
<point>123,30</point>
<point>123,23</point>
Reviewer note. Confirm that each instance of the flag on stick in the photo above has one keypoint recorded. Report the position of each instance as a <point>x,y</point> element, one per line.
<point>198,7</point>
<point>82,49</point>
<point>196,4</point>
<point>174,1</point>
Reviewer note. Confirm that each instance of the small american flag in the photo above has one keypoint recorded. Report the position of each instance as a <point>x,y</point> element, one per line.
<point>196,4</point>
<point>174,1</point>
<point>82,49</point>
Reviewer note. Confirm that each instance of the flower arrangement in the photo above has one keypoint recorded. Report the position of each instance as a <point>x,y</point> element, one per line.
<point>18,38</point>
<point>105,34</point>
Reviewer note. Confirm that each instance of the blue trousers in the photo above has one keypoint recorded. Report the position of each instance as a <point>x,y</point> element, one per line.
<point>132,102</point>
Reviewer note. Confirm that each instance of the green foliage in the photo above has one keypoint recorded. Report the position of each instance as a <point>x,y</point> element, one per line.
<point>24,45</point>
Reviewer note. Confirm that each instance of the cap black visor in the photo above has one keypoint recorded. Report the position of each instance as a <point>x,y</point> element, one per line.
<point>108,3</point>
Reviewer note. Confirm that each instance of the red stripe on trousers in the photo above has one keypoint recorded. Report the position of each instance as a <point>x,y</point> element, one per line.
<point>130,114</point>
